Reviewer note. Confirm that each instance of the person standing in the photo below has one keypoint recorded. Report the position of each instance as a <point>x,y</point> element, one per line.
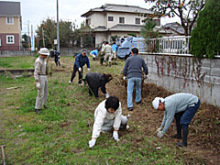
<point>97,80</point>
<point>81,60</point>
<point>56,57</point>
<point>114,49</point>
<point>108,116</point>
<point>182,107</point>
<point>41,79</point>
<point>133,72</point>
<point>108,53</point>
<point>101,53</point>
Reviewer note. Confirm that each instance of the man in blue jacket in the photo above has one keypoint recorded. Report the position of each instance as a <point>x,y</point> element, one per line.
<point>182,107</point>
<point>133,71</point>
<point>81,60</point>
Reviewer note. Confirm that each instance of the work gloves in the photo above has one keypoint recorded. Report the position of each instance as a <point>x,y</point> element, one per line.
<point>92,143</point>
<point>124,78</point>
<point>115,136</point>
<point>107,95</point>
<point>38,85</point>
<point>160,134</point>
<point>88,69</point>
<point>80,69</point>
<point>159,129</point>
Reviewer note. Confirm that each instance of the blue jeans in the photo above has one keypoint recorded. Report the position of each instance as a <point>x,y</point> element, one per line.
<point>131,82</point>
<point>188,115</point>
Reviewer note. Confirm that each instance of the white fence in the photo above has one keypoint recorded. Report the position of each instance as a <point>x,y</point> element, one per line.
<point>172,44</point>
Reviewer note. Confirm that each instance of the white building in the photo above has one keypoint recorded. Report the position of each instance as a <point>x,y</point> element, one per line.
<point>116,20</point>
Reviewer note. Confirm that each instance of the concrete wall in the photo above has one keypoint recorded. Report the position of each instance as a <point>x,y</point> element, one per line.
<point>186,74</point>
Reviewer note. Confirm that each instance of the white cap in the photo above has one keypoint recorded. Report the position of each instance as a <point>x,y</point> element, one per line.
<point>156,102</point>
<point>44,51</point>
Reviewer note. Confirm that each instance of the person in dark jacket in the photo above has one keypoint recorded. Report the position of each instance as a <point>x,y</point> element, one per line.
<point>97,80</point>
<point>81,60</point>
<point>56,57</point>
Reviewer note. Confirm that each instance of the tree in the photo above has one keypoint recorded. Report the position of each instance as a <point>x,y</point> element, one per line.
<point>186,10</point>
<point>148,32</point>
<point>205,39</point>
<point>47,32</point>
<point>48,28</point>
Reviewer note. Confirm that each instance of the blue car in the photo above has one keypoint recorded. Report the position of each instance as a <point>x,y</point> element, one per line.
<point>124,50</point>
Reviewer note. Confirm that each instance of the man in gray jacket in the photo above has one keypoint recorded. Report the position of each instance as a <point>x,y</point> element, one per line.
<point>41,79</point>
<point>183,107</point>
<point>133,71</point>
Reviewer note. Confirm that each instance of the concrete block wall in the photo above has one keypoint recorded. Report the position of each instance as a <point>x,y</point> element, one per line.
<point>186,74</point>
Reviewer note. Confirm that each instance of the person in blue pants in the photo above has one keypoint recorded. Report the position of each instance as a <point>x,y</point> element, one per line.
<point>133,72</point>
<point>182,107</point>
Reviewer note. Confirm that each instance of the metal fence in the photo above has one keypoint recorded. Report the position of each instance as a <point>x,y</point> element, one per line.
<point>165,45</point>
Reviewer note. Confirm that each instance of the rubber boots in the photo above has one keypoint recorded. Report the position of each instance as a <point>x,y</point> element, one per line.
<point>184,140</point>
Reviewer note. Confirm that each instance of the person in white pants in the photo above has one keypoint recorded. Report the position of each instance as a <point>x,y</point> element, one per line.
<point>108,116</point>
<point>41,79</point>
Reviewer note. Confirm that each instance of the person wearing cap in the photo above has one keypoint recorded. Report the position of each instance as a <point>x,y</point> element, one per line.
<point>97,80</point>
<point>108,53</point>
<point>41,79</point>
<point>108,117</point>
<point>182,107</point>
<point>133,72</point>
<point>81,60</point>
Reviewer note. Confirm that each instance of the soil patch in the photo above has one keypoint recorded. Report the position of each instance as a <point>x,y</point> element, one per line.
<point>204,130</point>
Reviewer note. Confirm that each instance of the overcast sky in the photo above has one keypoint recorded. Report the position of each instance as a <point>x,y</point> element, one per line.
<point>35,11</point>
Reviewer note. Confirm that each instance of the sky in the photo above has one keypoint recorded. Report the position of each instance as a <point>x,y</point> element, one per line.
<point>35,11</point>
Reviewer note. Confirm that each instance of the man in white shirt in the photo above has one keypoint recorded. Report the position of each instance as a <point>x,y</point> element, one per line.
<point>108,116</point>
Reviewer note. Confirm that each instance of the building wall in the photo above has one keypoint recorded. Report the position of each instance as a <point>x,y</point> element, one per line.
<point>97,19</point>
<point>128,19</point>
<point>10,28</point>
<point>5,46</point>
<point>186,74</point>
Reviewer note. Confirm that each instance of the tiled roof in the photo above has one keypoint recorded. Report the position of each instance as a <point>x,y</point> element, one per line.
<point>10,8</point>
<point>119,8</point>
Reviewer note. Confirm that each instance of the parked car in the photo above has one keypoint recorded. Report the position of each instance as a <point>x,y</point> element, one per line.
<point>124,49</point>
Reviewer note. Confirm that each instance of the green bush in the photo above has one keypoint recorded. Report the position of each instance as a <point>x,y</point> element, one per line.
<point>205,38</point>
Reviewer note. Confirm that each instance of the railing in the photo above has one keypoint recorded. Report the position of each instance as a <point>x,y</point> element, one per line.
<point>165,45</point>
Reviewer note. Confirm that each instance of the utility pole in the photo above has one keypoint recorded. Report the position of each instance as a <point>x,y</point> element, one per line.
<point>58,35</point>
<point>43,36</point>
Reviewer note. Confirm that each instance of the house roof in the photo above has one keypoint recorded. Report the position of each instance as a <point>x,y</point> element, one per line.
<point>174,26</point>
<point>118,8</point>
<point>10,8</point>
<point>126,27</point>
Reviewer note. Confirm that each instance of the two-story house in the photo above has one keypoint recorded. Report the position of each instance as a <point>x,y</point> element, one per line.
<point>116,20</point>
<point>10,25</point>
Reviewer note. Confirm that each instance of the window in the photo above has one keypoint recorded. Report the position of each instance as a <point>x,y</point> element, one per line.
<point>88,21</point>
<point>137,21</point>
<point>121,20</point>
<point>110,18</point>
<point>9,20</point>
<point>10,39</point>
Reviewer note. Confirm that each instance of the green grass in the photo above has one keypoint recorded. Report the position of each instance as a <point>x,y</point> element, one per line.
<point>24,62</point>
<point>61,133</point>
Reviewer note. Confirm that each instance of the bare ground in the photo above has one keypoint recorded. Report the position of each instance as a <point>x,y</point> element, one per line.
<point>204,130</point>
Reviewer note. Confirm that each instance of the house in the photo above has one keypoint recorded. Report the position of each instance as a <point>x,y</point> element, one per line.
<point>10,25</point>
<point>116,20</point>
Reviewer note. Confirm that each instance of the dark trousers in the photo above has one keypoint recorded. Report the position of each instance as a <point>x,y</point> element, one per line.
<point>184,118</point>
<point>92,91</point>
<point>75,69</point>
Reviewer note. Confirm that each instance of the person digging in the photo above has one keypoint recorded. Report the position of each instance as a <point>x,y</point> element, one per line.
<point>182,107</point>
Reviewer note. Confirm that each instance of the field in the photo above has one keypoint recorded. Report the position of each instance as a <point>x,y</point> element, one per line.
<point>60,134</point>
